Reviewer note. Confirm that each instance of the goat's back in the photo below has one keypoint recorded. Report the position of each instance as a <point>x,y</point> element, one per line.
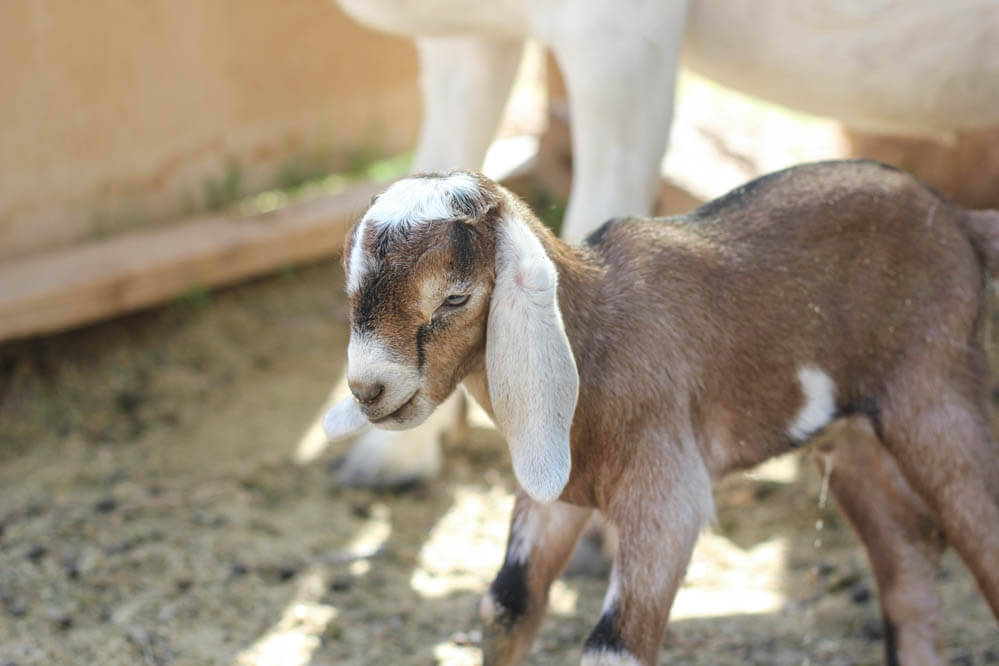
<point>841,270</point>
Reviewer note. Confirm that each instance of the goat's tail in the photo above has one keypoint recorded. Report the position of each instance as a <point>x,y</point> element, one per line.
<point>982,227</point>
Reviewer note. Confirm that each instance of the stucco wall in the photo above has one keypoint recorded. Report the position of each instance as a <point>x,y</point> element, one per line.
<point>119,114</point>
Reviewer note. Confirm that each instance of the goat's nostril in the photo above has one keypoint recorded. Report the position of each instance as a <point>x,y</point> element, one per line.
<point>367,393</point>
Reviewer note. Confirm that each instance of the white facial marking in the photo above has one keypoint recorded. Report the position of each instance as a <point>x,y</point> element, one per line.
<point>370,362</point>
<point>368,359</point>
<point>414,200</point>
<point>820,403</point>
<point>358,264</point>
<point>407,202</point>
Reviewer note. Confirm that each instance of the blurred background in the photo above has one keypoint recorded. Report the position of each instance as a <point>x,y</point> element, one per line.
<point>176,180</point>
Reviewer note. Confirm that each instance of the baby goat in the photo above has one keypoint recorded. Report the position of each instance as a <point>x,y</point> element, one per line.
<point>629,372</point>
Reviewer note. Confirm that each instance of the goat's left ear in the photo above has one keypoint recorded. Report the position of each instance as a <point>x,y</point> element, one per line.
<point>533,383</point>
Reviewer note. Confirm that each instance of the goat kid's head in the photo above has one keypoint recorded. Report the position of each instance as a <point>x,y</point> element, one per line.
<point>445,273</point>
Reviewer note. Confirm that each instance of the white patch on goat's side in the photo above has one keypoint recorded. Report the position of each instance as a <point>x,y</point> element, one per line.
<point>413,200</point>
<point>358,260</point>
<point>820,403</point>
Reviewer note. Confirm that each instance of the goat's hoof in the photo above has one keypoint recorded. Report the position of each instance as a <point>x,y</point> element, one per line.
<point>381,459</point>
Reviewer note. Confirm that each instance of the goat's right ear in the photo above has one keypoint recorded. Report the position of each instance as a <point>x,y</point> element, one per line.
<point>533,383</point>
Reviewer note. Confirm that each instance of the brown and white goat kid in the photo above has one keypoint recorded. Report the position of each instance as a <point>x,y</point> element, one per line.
<point>628,372</point>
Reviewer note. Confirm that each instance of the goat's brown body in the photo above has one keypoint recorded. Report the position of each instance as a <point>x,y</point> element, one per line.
<point>689,333</point>
<point>702,321</point>
<point>843,300</point>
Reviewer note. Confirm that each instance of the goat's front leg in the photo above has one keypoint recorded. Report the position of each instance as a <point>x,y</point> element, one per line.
<point>541,539</point>
<point>658,519</point>
<point>465,82</point>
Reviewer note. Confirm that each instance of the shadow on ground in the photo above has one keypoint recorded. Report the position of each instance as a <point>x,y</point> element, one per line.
<point>151,514</point>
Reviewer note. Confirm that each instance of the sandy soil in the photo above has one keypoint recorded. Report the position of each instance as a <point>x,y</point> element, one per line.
<point>152,512</point>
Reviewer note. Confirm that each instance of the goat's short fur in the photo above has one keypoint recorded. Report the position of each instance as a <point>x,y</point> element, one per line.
<point>628,372</point>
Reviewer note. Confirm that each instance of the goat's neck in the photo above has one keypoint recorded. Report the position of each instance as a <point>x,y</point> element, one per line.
<point>579,273</point>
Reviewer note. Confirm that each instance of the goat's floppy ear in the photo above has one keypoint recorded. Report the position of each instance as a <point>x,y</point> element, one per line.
<point>343,419</point>
<point>533,383</point>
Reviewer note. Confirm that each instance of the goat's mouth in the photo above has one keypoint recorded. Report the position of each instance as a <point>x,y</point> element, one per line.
<point>398,413</point>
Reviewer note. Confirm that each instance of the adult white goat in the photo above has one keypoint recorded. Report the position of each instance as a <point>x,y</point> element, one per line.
<point>917,67</point>
<point>629,372</point>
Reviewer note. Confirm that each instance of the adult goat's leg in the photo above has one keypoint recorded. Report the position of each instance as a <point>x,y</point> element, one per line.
<point>898,530</point>
<point>620,105</point>
<point>465,82</point>
<point>541,539</point>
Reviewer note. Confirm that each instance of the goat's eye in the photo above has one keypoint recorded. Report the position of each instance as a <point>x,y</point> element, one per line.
<point>454,300</point>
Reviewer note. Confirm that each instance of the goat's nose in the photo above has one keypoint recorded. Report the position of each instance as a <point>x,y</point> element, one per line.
<point>366,393</point>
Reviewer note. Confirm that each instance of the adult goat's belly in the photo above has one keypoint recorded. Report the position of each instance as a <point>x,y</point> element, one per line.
<point>438,17</point>
<point>920,67</point>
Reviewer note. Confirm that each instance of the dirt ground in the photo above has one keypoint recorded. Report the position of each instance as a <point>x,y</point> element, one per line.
<point>153,512</point>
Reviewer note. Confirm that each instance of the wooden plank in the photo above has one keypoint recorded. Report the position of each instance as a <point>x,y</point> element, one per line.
<point>65,288</point>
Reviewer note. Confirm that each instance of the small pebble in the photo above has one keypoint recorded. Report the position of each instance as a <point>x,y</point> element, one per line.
<point>15,607</point>
<point>872,630</point>
<point>360,510</point>
<point>467,638</point>
<point>37,552</point>
<point>61,621</point>
<point>286,572</point>
<point>341,583</point>
<point>71,568</point>
<point>824,568</point>
<point>860,594</point>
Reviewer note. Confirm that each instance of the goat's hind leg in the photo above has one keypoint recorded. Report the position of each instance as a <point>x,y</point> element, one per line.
<point>939,432</point>
<point>898,531</point>
<point>541,539</point>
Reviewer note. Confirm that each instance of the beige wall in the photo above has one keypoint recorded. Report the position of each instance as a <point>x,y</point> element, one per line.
<point>118,113</point>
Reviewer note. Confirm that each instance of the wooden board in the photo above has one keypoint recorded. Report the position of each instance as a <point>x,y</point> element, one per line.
<point>65,288</point>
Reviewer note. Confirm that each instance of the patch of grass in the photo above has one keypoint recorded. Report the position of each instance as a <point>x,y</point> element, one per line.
<point>301,183</point>
<point>194,298</point>
<point>219,193</point>
<point>549,209</point>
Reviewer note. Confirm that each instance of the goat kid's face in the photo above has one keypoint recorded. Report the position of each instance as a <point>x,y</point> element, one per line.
<point>418,296</point>
<point>438,266</point>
